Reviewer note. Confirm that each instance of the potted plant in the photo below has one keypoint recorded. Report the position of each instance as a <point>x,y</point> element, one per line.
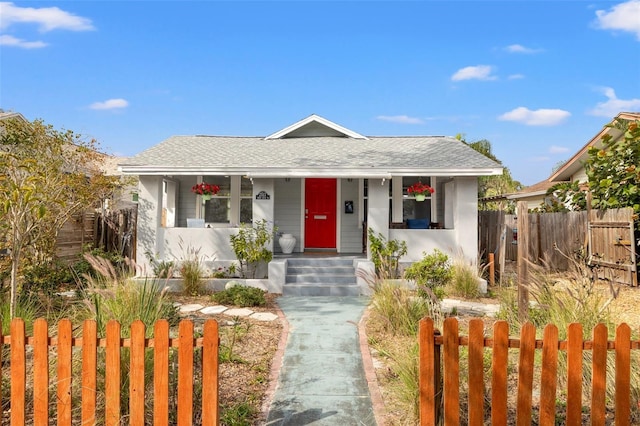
<point>420,190</point>
<point>206,190</point>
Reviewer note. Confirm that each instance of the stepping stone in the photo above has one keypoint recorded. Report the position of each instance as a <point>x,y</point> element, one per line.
<point>241,312</point>
<point>213,310</point>
<point>264,316</point>
<point>67,294</point>
<point>190,308</point>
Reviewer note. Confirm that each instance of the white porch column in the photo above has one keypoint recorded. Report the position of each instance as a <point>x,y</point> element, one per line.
<point>465,216</point>
<point>263,201</point>
<point>397,195</point>
<point>149,238</point>
<point>378,211</point>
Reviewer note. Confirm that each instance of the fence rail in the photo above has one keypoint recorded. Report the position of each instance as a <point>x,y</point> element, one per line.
<point>439,372</point>
<point>33,354</point>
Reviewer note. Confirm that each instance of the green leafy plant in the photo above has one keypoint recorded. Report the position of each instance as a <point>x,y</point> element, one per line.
<point>386,254</point>
<point>231,336</point>
<point>161,268</point>
<point>239,295</point>
<point>431,274</point>
<point>250,246</point>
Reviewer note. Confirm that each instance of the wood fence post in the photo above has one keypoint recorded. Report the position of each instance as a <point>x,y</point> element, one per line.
<point>523,259</point>
<point>492,270</point>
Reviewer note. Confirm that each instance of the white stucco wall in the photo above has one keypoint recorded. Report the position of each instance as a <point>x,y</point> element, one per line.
<point>149,215</point>
<point>378,213</point>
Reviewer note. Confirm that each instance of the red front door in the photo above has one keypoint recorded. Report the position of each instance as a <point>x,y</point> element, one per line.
<point>320,213</point>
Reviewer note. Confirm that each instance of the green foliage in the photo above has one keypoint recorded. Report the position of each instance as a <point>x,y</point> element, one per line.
<point>27,308</point>
<point>614,170</point>
<point>239,295</point>
<point>192,270</point>
<point>125,299</point>
<point>386,254</point>
<point>232,335</point>
<point>613,173</point>
<point>48,176</point>
<point>238,414</point>
<point>490,186</point>
<point>562,197</point>
<point>161,268</point>
<point>46,279</point>
<point>249,245</point>
<point>399,309</point>
<point>431,274</point>
<point>83,268</point>
<point>464,279</point>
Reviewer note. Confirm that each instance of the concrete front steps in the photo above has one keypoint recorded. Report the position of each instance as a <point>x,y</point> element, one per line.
<point>320,277</point>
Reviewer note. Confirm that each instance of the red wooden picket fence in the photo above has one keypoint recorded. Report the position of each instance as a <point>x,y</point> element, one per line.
<point>34,353</point>
<point>440,373</point>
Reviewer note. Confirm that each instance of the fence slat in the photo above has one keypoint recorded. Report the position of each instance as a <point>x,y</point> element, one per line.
<point>210,368</point>
<point>427,391</point>
<point>451,372</point>
<point>525,373</point>
<point>65,352</point>
<point>623,375</point>
<point>112,375</point>
<point>185,373</point>
<point>499,363</point>
<point>599,374</point>
<point>136,375</point>
<point>161,373</point>
<point>549,376</point>
<point>40,372</point>
<point>476,376</point>
<point>574,371</point>
<point>89,371</point>
<point>18,372</point>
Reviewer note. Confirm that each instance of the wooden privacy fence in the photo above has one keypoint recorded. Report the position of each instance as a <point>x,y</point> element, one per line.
<point>440,374</point>
<point>51,386</point>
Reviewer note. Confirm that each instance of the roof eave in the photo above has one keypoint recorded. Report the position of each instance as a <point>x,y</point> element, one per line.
<point>358,172</point>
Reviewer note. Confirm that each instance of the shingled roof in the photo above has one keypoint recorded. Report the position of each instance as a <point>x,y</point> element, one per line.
<point>340,154</point>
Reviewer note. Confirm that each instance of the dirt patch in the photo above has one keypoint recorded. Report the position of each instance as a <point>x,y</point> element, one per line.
<point>247,348</point>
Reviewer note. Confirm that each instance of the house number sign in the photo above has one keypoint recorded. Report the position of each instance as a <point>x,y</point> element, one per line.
<point>262,195</point>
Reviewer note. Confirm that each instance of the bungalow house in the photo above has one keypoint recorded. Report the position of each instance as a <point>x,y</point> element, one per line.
<point>316,180</point>
<point>573,170</point>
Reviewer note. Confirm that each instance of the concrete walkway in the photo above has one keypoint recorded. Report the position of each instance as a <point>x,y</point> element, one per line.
<point>322,380</point>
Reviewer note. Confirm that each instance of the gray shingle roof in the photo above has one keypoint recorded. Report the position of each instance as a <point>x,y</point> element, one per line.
<point>337,155</point>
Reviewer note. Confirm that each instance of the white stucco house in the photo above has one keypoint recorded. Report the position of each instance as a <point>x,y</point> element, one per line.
<point>321,182</point>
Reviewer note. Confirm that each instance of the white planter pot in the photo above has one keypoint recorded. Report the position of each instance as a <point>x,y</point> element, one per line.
<point>287,243</point>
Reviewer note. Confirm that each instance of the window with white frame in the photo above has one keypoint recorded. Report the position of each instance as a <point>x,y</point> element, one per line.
<point>218,208</point>
<point>234,202</point>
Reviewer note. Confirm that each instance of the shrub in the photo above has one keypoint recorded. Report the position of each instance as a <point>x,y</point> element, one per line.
<point>161,268</point>
<point>431,274</point>
<point>47,279</point>
<point>386,255</point>
<point>464,279</point>
<point>249,246</point>
<point>239,295</point>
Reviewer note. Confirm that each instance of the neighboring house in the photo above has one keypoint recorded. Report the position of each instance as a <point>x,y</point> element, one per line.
<point>322,183</point>
<point>572,170</point>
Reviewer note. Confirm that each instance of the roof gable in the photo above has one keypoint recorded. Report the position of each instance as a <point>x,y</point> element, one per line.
<point>576,163</point>
<point>315,126</point>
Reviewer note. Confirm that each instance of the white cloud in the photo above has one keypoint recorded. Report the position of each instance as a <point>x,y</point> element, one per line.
<point>613,106</point>
<point>47,18</point>
<point>110,104</point>
<point>558,149</point>
<point>7,40</point>
<point>518,48</point>
<point>516,77</point>
<point>402,119</point>
<point>479,72</point>
<point>623,17</point>
<point>540,117</point>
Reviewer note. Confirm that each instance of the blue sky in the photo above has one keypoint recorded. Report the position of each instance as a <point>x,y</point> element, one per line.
<point>536,78</point>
